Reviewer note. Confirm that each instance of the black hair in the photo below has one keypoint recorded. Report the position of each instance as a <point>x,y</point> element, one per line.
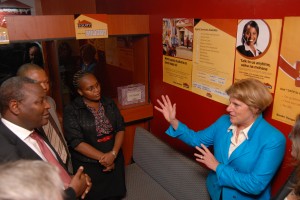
<point>77,76</point>
<point>251,24</point>
<point>13,89</point>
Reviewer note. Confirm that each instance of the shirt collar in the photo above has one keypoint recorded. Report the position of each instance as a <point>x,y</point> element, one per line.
<point>244,131</point>
<point>247,48</point>
<point>19,131</point>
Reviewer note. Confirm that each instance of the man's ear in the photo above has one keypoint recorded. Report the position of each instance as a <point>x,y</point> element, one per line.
<point>13,106</point>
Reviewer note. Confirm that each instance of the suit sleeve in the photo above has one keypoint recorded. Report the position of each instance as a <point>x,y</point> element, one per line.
<point>70,194</point>
<point>195,138</point>
<point>73,133</point>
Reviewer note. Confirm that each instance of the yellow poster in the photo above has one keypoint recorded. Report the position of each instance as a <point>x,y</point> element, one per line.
<point>257,48</point>
<point>3,36</point>
<point>177,37</point>
<point>213,58</point>
<point>3,30</point>
<point>89,26</point>
<point>287,95</point>
<point>177,72</point>
<point>177,47</point>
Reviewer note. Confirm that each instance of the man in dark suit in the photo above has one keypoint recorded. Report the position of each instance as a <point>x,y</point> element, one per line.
<point>24,109</point>
<point>53,128</point>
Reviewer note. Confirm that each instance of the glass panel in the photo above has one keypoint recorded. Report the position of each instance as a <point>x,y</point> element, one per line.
<point>14,55</point>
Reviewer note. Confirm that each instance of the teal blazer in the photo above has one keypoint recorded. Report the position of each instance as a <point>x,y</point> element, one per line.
<point>248,172</point>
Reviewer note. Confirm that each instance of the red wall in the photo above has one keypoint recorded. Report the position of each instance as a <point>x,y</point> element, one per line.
<point>196,111</point>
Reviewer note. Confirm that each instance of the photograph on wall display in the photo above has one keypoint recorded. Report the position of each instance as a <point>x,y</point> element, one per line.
<point>177,37</point>
<point>177,46</point>
<point>253,37</point>
<point>257,49</point>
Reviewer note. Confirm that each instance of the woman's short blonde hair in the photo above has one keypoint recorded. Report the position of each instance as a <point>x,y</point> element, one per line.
<point>251,92</point>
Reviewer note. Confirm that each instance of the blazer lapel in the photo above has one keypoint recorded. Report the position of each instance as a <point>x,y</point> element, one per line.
<point>226,147</point>
<point>24,151</point>
<point>244,148</point>
<point>241,150</point>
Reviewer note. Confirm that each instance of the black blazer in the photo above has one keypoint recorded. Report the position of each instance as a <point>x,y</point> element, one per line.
<point>13,148</point>
<point>243,51</point>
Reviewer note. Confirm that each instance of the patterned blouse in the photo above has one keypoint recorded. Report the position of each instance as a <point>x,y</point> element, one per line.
<point>103,126</point>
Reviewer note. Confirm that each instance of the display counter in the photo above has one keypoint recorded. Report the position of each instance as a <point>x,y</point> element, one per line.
<point>138,115</point>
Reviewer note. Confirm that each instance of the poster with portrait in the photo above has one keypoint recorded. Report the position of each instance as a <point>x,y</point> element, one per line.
<point>177,48</point>
<point>213,58</point>
<point>287,95</point>
<point>257,47</point>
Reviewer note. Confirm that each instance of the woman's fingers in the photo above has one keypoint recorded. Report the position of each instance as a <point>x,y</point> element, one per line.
<point>160,103</point>
<point>205,148</point>
<point>206,157</point>
<point>200,150</point>
<point>168,100</point>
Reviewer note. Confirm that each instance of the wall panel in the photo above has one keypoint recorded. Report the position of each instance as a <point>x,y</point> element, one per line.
<point>198,112</point>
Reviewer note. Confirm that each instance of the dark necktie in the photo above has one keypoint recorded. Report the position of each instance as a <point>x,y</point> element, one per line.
<point>51,158</point>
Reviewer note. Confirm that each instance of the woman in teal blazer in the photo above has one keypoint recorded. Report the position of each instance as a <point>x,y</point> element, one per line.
<point>247,149</point>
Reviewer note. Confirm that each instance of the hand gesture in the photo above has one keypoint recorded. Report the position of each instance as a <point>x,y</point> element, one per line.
<point>168,110</point>
<point>107,159</point>
<point>81,183</point>
<point>109,168</point>
<point>206,157</point>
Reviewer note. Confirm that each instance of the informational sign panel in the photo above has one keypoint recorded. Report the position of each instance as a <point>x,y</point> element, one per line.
<point>213,58</point>
<point>257,49</point>
<point>287,94</point>
<point>90,26</point>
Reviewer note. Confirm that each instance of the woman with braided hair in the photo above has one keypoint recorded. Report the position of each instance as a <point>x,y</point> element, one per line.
<point>94,129</point>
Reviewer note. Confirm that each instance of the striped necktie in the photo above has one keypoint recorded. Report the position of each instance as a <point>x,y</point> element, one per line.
<point>56,139</point>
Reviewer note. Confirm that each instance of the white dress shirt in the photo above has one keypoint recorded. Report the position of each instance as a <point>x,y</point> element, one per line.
<point>247,48</point>
<point>237,138</point>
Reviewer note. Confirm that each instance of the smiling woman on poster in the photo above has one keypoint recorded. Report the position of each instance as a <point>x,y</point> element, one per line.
<point>251,34</point>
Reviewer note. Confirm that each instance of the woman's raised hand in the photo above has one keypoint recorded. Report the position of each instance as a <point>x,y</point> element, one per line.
<point>168,110</point>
